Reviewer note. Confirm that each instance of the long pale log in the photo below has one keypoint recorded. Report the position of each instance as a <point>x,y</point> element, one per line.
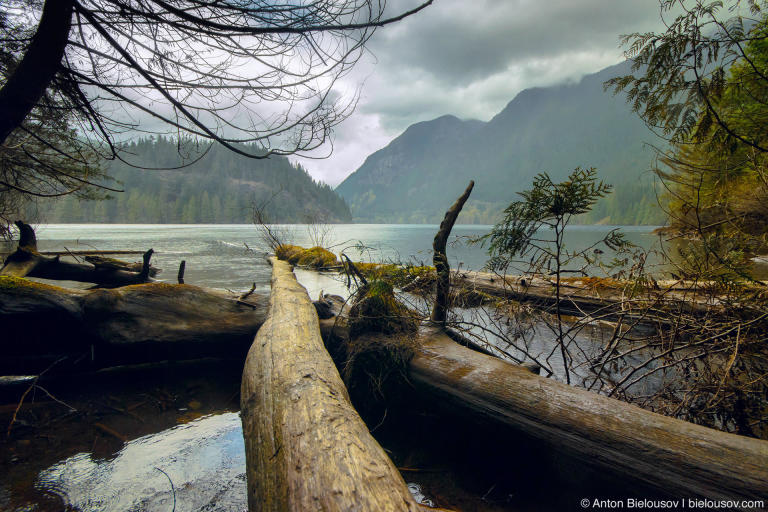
<point>132,324</point>
<point>673,456</point>
<point>306,447</point>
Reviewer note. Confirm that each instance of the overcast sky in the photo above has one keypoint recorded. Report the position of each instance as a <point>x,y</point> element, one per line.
<point>469,58</point>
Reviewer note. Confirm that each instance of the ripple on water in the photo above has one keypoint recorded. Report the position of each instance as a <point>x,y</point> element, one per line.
<point>204,459</point>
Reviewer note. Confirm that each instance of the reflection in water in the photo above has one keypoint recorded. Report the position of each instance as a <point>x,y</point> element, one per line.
<point>204,459</point>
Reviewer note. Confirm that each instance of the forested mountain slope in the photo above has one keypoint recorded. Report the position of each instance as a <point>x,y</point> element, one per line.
<point>222,187</point>
<point>552,129</point>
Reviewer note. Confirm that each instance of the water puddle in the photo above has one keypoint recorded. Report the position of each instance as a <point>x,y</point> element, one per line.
<point>196,466</point>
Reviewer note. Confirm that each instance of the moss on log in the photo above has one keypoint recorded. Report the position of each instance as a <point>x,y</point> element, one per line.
<point>314,257</point>
<point>306,447</point>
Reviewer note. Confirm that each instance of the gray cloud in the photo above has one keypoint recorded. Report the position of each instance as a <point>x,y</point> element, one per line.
<point>465,41</point>
<point>470,58</point>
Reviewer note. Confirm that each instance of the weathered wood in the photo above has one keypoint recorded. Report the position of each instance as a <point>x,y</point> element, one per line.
<point>104,327</point>
<point>111,252</point>
<point>27,261</point>
<point>180,274</point>
<point>667,454</point>
<point>306,447</point>
<point>645,306</point>
<point>99,261</point>
<point>672,456</point>
<point>440,259</point>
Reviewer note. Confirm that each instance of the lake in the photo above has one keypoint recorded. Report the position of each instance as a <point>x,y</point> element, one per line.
<point>233,255</point>
<point>202,454</point>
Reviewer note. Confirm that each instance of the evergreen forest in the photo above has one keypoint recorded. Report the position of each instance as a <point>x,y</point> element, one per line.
<point>219,186</point>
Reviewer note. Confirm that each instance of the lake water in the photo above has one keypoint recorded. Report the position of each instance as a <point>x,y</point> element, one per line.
<point>205,459</point>
<point>233,256</point>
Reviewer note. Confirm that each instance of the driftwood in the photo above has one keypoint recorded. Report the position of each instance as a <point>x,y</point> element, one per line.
<point>667,454</point>
<point>26,261</point>
<point>580,297</point>
<point>440,259</point>
<point>89,252</point>
<point>672,456</point>
<point>132,324</point>
<point>306,447</point>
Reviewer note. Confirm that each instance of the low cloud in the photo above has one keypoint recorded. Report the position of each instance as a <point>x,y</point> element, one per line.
<point>470,59</point>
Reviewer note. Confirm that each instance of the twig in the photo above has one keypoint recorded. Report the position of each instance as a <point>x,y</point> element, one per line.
<point>380,423</point>
<point>248,293</point>
<point>71,254</point>
<point>112,432</point>
<point>173,489</point>
<point>30,388</point>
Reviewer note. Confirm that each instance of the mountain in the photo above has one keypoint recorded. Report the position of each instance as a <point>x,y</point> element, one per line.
<point>552,129</point>
<point>221,187</point>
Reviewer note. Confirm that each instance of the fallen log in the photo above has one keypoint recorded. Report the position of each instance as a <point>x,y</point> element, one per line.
<point>88,252</point>
<point>671,455</point>
<point>306,447</point>
<point>127,325</point>
<point>26,261</point>
<point>582,296</point>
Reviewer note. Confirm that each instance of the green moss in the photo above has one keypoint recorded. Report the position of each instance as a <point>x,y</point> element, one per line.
<point>289,253</point>
<point>157,288</point>
<point>407,277</point>
<point>382,339</point>
<point>316,257</point>
<point>12,282</point>
<point>378,310</point>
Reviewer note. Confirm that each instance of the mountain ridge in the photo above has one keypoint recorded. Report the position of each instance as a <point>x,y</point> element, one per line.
<point>544,129</point>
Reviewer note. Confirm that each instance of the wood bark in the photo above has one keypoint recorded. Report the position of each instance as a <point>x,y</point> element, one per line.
<point>306,447</point>
<point>645,306</point>
<point>673,456</point>
<point>26,261</point>
<point>37,68</point>
<point>440,259</point>
<point>133,324</point>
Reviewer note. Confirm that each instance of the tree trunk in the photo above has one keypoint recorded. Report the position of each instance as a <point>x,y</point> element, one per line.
<point>674,456</point>
<point>440,259</point>
<point>306,447</point>
<point>37,68</point>
<point>647,306</point>
<point>133,324</point>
